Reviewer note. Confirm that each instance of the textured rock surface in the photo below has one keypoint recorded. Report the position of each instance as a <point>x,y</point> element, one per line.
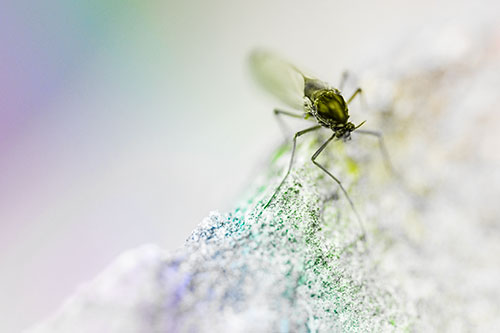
<point>430,259</point>
<point>280,269</point>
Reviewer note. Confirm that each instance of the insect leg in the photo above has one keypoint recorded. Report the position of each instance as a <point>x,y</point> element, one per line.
<point>310,129</point>
<point>291,114</point>
<point>313,158</point>
<point>284,128</point>
<point>331,197</point>
<point>345,75</point>
<point>383,149</point>
<point>358,91</point>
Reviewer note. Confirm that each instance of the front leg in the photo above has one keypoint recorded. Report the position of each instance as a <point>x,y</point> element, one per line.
<point>313,158</point>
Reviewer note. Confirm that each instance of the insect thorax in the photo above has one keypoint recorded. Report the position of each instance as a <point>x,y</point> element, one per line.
<point>327,106</point>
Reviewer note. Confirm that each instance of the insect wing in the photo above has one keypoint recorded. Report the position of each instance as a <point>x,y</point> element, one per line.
<point>279,77</point>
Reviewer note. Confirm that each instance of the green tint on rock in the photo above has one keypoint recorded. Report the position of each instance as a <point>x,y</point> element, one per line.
<point>301,257</point>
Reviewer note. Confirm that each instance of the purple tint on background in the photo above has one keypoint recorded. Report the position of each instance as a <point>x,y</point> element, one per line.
<point>41,47</point>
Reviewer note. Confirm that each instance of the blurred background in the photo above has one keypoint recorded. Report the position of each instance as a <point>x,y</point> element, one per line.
<point>127,122</point>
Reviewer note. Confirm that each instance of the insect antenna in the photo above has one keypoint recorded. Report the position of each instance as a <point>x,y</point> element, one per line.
<point>360,125</point>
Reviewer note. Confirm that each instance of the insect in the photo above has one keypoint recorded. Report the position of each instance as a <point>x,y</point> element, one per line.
<point>318,102</point>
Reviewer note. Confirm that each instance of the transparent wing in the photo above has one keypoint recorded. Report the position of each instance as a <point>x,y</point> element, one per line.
<point>279,77</point>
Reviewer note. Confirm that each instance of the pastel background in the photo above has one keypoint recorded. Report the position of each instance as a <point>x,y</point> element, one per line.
<point>126,122</point>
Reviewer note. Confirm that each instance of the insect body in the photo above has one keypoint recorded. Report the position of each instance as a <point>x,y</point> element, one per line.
<point>317,101</point>
<point>328,106</point>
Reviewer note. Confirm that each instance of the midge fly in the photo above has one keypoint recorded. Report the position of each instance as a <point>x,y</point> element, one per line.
<point>318,102</point>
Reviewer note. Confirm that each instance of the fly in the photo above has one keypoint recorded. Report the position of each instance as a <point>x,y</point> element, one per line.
<point>318,101</point>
